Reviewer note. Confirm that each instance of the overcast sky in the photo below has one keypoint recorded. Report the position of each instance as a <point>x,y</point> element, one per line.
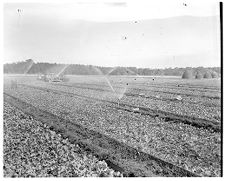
<point>117,33</point>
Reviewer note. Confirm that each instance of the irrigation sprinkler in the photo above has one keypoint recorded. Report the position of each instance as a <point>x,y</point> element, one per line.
<point>118,102</point>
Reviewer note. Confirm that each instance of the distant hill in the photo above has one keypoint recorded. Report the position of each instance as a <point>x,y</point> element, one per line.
<point>30,67</point>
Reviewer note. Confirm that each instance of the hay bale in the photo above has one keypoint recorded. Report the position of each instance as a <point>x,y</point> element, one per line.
<point>207,75</point>
<point>198,76</point>
<point>214,75</point>
<point>187,74</point>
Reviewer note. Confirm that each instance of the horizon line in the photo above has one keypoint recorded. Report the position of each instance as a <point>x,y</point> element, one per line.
<point>112,66</point>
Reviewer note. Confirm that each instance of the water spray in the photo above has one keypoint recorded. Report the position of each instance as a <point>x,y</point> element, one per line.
<point>122,94</point>
<point>119,95</point>
<point>104,76</point>
<point>109,84</point>
<point>118,101</point>
<point>29,67</point>
<point>112,70</point>
<point>62,70</point>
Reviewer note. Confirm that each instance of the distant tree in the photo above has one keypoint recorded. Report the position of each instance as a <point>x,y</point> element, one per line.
<point>198,76</point>
<point>187,74</point>
<point>77,69</point>
<point>207,75</point>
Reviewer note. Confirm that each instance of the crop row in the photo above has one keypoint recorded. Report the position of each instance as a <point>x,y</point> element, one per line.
<point>175,107</point>
<point>31,149</point>
<point>194,149</point>
<point>152,94</point>
<point>166,116</point>
<point>117,155</point>
<point>211,94</point>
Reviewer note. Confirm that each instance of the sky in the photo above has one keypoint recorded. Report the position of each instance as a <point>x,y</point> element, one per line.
<point>114,33</point>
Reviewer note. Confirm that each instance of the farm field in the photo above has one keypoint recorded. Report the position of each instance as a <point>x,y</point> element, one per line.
<point>50,155</point>
<point>141,126</point>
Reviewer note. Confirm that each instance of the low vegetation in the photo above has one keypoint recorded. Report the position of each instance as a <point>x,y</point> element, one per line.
<point>31,149</point>
<point>136,120</point>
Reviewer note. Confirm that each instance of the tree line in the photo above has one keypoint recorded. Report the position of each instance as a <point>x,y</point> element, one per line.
<point>30,67</point>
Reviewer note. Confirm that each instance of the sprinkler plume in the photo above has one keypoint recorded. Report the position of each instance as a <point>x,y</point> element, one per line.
<point>29,67</point>
<point>109,84</point>
<point>62,70</point>
<point>104,76</point>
